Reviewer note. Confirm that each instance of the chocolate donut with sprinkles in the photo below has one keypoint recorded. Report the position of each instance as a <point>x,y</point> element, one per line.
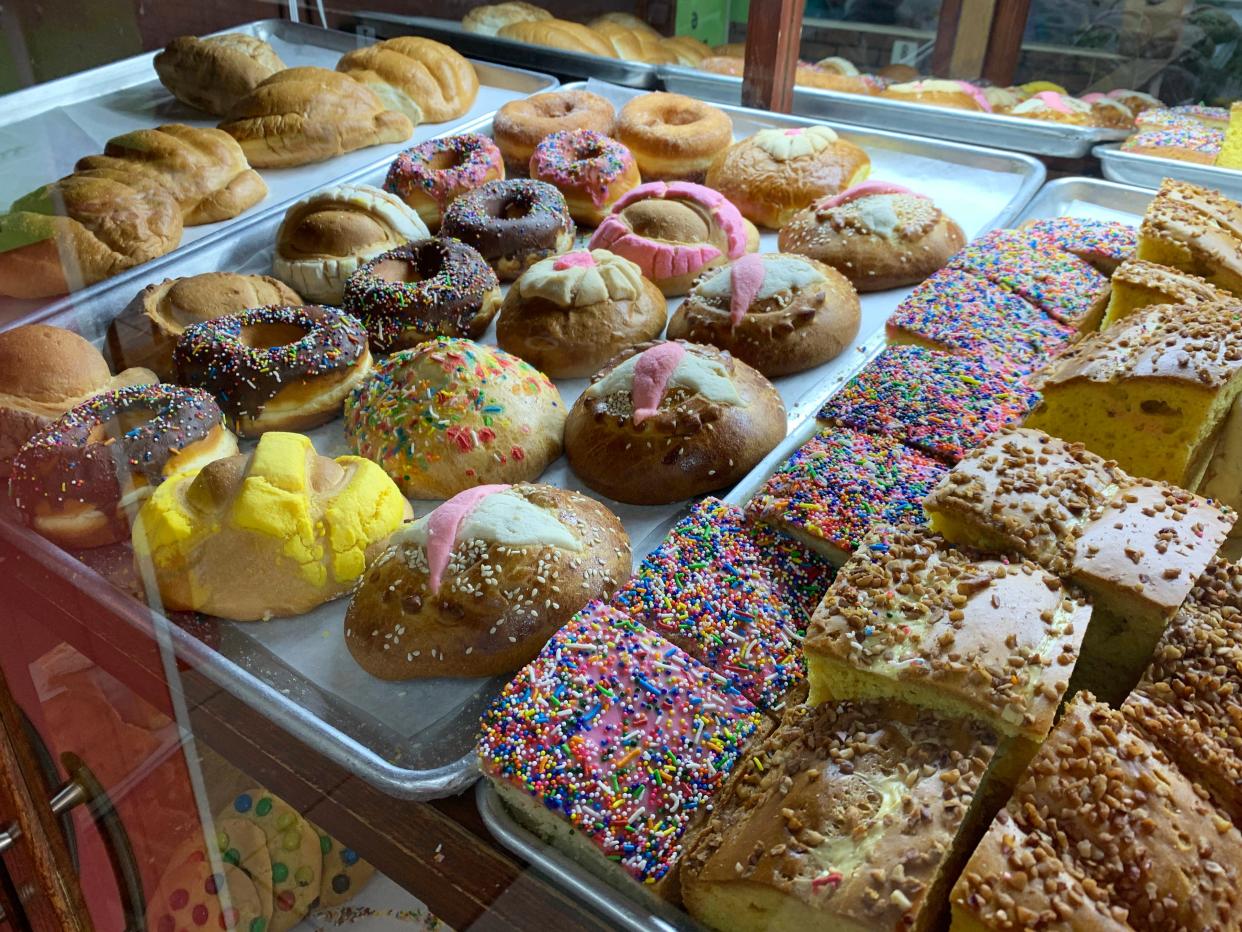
<point>432,175</point>
<point>591,170</point>
<point>513,224</point>
<point>77,481</point>
<point>425,289</point>
<point>276,368</point>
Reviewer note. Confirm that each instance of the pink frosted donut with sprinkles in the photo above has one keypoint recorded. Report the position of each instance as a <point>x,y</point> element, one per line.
<point>429,176</point>
<point>674,231</point>
<point>591,170</point>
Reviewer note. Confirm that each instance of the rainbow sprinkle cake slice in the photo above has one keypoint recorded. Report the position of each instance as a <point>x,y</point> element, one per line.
<point>842,482</point>
<point>1069,289</point>
<point>939,403</point>
<point>734,595</point>
<point>609,745</point>
<point>961,313</point>
<point>1104,243</point>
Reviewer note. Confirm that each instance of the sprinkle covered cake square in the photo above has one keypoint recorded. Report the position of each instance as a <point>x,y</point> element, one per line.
<point>939,403</point>
<point>734,594</point>
<point>1103,243</point>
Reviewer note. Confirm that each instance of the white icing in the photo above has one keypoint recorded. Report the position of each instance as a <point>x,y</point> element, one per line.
<point>612,277</point>
<point>695,373</point>
<point>878,214</point>
<point>505,518</point>
<point>1035,105</point>
<point>783,145</point>
<point>780,274</point>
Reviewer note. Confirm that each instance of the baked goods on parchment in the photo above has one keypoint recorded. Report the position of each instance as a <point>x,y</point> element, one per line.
<point>424,79</point>
<point>304,115</point>
<point>215,72</point>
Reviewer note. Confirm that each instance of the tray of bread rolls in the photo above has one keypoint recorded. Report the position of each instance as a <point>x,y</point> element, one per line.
<point>122,120</point>
<point>1037,137</point>
<point>1012,596</point>
<point>372,697</point>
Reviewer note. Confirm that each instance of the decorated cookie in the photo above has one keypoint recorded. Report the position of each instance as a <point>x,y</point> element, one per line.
<point>198,894</point>
<point>243,844</point>
<point>344,873</point>
<point>297,862</point>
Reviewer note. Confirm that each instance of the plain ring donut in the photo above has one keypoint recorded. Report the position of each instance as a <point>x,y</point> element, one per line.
<point>520,125</point>
<point>673,137</point>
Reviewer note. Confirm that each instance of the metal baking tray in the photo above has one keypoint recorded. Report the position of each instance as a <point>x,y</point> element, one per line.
<point>1075,197</point>
<point>45,129</point>
<point>415,740</point>
<point>511,52</point>
<point>1036,137</point>
<point>1147,171</point>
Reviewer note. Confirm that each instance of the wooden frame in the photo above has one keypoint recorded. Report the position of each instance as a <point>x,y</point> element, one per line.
<point>980,39</point>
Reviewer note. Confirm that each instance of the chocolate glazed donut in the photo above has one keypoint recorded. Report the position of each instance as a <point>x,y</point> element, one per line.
<point>512,223</point>
<point>432,287</point>
<point>245,360</point>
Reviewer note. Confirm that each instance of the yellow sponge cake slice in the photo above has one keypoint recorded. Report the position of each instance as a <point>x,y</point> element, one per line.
<point>1153,392</point>
<point>1195,230</point>
<point>1137,284</point>
<point>1231,149</point>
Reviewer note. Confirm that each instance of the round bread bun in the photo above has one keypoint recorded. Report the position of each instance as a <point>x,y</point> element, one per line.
<point>520,125</point>
<point>899,73</point>
<point>773,174</point>
<point>267,534</point>
<point>779,313</point>
<point>809,76</point>
<point>878,235</point>
<point>477,587</point>
<point>146,331</point>
<point>568,315</point>
<point>673,137</point>
<point>451,414</point>
<point>705,419</point>
<point>837,65</point>
<point>959,95</point>
<point>44,372</point>
<point>488,20</point>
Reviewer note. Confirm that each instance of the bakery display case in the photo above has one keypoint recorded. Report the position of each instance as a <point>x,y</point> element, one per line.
<point>679,466</point>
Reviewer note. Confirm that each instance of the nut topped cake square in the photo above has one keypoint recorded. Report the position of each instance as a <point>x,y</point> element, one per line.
<point>610,743</point>
<point>849,816</point>
<point>940,403</point>
<point>1196,230</point>
<point>1138,284</point>
<point>735,595</point>
<point>911,618</point>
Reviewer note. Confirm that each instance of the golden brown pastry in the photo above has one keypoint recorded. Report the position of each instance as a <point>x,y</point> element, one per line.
<point>479,585</point>
<point>82,229</point>
<point>325,237</point>
<point>560,34</point>
<point>45,371</point>
<point>688,50</point>
<point>204,169</point>
<point>625,21</point>
<point>424,79</point>
<point>635,44</point>
<point>214,73</point>
<point>489,19</point>
<point>146,331</point>
<point>304,115</point>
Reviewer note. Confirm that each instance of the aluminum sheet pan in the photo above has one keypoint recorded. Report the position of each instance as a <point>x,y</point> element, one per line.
<point>494,48</point>
<point>415,739</point>
<point>1147,171</point>
<point>1088,198</point>
<point>45,129</point>
<point>1037,137</point>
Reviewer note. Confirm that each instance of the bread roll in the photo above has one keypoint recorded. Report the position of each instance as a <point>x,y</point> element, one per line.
<point>688,50</point>
<point>490,19</point>
<point>560,34</point>
<point>214,73</point>
<point>627,21</point>
<point>424,79</point>
<point>304,115</point>
<point>636,44</point>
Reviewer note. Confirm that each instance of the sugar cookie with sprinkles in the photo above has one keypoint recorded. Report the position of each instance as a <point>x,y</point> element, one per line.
<point>1104,243</point>
<point>831,492</point>
<point>962,313</point>
<point>451,414</point>
<point>611,744</point>
<point>1064,286</point>
<point>201,893</point>
<point>344,873</point>
<point>297,862</point>
<point>734,595</point>
<point>939,403</point>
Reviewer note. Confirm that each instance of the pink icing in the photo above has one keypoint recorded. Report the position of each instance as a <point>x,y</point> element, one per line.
<point>412,171</point>
<point>1054,101</point>
<point>865,189</point>
<point>443,525</point>
<point>663,260</point>
<point>1094,97</point>
<point>796,131</point>
<point>558,160</point>
<point>574,260</point>
<point>652,371</point>
<point>746,276</point>
<point>978,95</point>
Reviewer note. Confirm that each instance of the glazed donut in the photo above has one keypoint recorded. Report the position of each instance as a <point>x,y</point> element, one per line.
<point>958,95</point>
<point>591,170</point>
<point>672,232</point>
<point>673,137</point>
<point>775,173</point>
<point>432,287</point>
<point>522,124</point>
<point>781,314</point>
<point>276,368</point>
<point>429,176</point>
<point>513,223</point>
<point>76,481</point>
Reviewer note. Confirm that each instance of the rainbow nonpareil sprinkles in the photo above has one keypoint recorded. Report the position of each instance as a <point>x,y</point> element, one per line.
<point>1103,243</point>
<point>620,733</point>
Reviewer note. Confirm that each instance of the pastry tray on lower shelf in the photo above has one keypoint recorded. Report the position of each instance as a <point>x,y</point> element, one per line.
<point>415,739</point>
<point>1148,171</point>
<point>1087,198</point>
